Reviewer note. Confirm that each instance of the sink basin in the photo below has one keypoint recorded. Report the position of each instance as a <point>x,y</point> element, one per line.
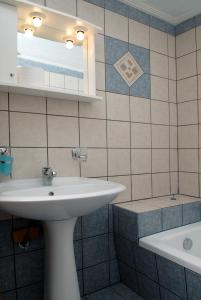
<point>58,206</point>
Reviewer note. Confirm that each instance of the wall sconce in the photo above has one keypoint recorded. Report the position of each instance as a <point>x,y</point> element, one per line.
<point>69,44</point>
<point>37,19</point>
<point>28,30</point>
<point>80,32</point>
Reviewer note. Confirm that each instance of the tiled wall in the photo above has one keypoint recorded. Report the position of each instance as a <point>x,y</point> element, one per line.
<point>131,136</point>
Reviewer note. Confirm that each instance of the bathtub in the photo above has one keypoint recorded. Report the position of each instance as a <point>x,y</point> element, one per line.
<point>170,244</point>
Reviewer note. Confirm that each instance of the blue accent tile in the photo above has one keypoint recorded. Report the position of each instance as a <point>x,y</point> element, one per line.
<point>78,254</point>
<point>171,29</point>
<point>191,213</point>
<point>7,275</point>
<point>148,289</point>
<point>125,292</point>
<point>167,295</point>
<point>149,223</point>
<point>100,3</point>
<point>112,248</point>
<point>125,251</point>
<point>95,223</point>
<point>117,7</point>
<point>114,82</point>
<point>146,263</point>
<point>142,56</point>
<point>193,281</point>
<point>158,24</point>
<point>171,276</point>
<point>172,217</point>
<point>95,250</point>
<point>96,278</point>
<point>128,276</point>
<point>142,87</point>
<point>78,230</point>
<point>139,16</point>
<point>6,245</point>
<point>106,294</point>
<point>185,26</point>
<point>29,268</point>
<point>32,292</point>
<point>8,295</point>
<point>198,20</point>
<point>114,272</point>
<point>80,281</point>
<point>128,227</point>
<point>114,49</point>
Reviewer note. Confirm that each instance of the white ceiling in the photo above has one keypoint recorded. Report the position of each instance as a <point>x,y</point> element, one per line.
<point>173,11</point>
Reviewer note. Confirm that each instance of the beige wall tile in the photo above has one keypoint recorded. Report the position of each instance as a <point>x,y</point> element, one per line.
<point>96,164</point>
<point>160,160</point>
<point>28,130</point>
<point>185,43</point>
<point>188,160</point>
<point>92,133</point>
<point>138,34</point>
<point>62,131</point>
<point>95,109</point>
<point>188,184</point>
<point>173,137</point>
<point>62,107</point>
<point>199,87</point>
<point>100,76</point>
<point>160,136</point>
<point>158,41</point>
<point>186,66</point>
<point>159,112</point>
<point>172,68</point>
<point>118,134</point>
<point>172,88</point>
<point>118,162</point>
<point>173,114</point>
<point>100,47</point>
<point>67,6</point>
<point>61,161</point>
<point>41,2</point>
<point>171,45</point>
<point>140,110</point>
<point>140,135</point>
<point>141,187</point>
<point>199,110</point>
<point>199,61</point>
<point>173,160</point>
<point>159,88</point>
<point>174,182</point>
<point>117,107</point>
<point>116,26</point>
<point>188,113</point>
<point>187,89</point>
<point>28,162</point>
<point>140,161</point>
<point>161,184</point>
<point>25,103</point>
<point>4,132</point>
<point>198,37</point>
<point>188,136</point>
<point>3,101</point>
<point>159,64</point>
<point>125,195</point>
<point>89,12</point>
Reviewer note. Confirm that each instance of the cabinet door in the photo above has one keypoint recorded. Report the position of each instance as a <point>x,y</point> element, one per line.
<point>8,41</point>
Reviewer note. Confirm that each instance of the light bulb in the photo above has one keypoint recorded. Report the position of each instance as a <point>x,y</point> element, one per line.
<point>28,32</point>
<point>80,35</point>
<point>69,44</point>
<point>37,21</point>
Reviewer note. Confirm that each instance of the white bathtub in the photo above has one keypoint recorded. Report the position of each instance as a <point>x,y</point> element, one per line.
<point>169,244</point>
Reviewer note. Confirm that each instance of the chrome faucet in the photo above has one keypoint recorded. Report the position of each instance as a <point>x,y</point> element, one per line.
<point>48,175</point>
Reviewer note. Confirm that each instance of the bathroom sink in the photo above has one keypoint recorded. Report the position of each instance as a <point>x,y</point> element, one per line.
<point>58,206</point>
<point>66,198</point>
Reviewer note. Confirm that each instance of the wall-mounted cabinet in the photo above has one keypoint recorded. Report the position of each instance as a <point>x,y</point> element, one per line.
<point>46,53</point>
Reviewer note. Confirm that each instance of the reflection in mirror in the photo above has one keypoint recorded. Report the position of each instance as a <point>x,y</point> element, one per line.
<point>48,63</point>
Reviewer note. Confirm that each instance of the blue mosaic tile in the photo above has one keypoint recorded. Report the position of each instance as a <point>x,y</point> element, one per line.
<point>95,250</point>
<point>114,272</point>
<point>78,254</point>
<point>114,82</point>
<point>142,57</point>
<point>114,49</point>
<point>191,213</point>
<point>139,16</point>
<point>96,278</point>
<point>193,281</point>
<point>78,230</point>
<point>117,7</point>
<point>80,281</point>
<point>198,20</point>
<point>32,292</point>
<point>125,251</point>
<point>167,295</point>
<point>106,294</point>
<point>185,26</point>
<point>128,276</point>
<point>112,247</point>
<point>6,245</point>
<point>95,223</point>
<point>8,295</point>
<point>146,263</point>
<point>171,276</point>
<point>142,87</point>
<point>128,227</point>
<point>172,217</point>
<point>7,274</point>
<point>149,223</point>
<point>100,3</point>
<point>148,289</point>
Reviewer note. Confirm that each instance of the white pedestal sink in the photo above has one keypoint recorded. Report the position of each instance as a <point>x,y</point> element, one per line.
<point>58,206</point>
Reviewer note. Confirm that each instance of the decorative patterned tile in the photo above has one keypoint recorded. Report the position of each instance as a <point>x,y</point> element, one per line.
<point>142,57</point>
<point>114,49</point>
<point>142,87</point>
<point>128,68</point>
<point>114,82</point>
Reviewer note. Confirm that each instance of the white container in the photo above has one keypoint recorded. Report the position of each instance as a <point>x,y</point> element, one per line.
<point>31,76</point>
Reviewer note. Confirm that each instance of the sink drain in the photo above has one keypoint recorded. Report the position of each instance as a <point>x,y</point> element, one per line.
<point>187,244</point>
<point>51,193</point>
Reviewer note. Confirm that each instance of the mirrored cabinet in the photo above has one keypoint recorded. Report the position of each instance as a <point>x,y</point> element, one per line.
<point>46,53</point>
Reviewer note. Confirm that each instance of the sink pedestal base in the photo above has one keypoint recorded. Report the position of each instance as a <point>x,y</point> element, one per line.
<point>61,282</point>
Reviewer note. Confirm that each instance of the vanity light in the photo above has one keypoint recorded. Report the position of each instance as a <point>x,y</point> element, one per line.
<point>28,30</point>
<point>69,44</point>
<point>80,35</point>
<point>37,19</point>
